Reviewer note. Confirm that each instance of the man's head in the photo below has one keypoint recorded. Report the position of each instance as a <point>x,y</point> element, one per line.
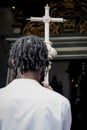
<point>28,53</point>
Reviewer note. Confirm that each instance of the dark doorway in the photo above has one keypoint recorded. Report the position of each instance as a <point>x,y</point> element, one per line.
<point>75,76</point>
<point>78,97</point>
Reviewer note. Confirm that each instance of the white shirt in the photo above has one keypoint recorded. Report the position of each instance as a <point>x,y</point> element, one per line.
<point>26,105</point>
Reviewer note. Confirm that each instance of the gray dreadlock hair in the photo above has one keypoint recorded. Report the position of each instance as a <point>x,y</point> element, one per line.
<point>29,53</point>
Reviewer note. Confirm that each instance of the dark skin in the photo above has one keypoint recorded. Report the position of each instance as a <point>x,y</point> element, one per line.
<point>35,76</point>
<point>32,75</point>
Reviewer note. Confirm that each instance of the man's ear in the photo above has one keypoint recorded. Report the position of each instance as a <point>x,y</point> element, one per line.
<point>12,62</point>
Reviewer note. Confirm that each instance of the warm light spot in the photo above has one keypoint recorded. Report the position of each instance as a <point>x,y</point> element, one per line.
<point>13,7</point>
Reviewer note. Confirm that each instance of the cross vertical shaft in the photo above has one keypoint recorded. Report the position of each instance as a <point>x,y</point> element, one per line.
<point>46,19</point>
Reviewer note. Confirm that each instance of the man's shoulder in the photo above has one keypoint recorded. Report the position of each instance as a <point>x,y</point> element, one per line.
<point>51,96</point>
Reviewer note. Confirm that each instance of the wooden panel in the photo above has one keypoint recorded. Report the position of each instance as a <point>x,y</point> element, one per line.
<point>70,46</point>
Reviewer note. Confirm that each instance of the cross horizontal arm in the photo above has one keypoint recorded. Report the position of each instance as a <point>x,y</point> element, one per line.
<point>57,20</point>
<point>35,19</point>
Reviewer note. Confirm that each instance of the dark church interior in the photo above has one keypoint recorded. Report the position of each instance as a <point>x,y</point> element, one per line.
<point>68,73</point>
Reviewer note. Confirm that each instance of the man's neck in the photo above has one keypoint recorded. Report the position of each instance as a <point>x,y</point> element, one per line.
<point>31,75</point>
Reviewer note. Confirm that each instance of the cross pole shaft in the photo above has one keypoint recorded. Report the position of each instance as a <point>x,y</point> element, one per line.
<point>46,19</point>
